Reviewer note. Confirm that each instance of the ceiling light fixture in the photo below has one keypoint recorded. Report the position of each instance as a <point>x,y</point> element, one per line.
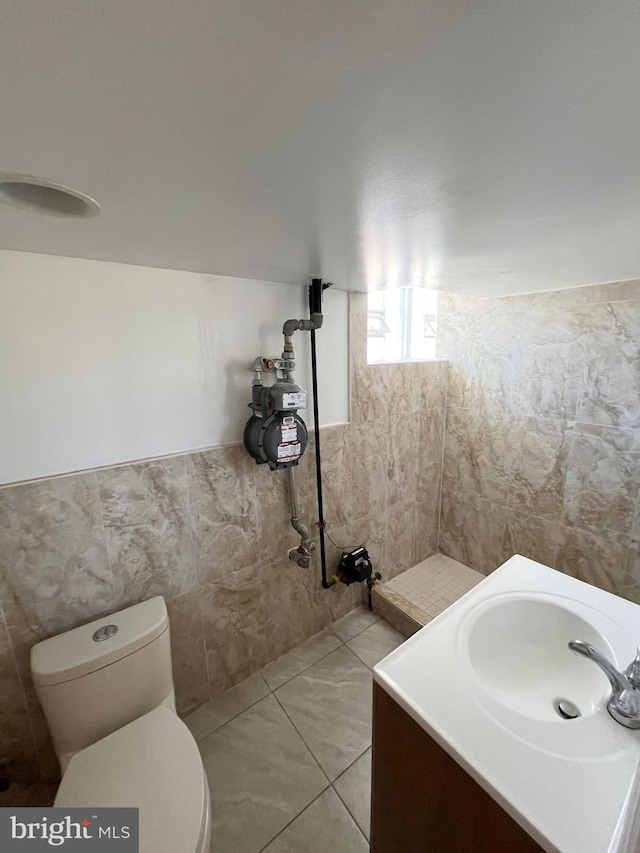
<point>42,196</point>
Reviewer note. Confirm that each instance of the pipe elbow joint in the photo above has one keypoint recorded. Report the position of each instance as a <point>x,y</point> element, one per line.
<point>290,326</point>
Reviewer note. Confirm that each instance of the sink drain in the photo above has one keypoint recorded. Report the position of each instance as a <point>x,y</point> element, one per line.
<point>566,709</point>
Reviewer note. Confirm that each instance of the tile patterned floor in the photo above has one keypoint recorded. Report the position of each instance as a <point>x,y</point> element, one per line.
<point>287,751</point>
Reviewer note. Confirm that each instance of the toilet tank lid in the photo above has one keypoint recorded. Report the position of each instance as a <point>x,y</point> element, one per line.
<point>76,653</point>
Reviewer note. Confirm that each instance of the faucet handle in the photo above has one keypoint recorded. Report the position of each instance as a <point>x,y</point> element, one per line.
<point>633,671</point>
<point>624,702</point>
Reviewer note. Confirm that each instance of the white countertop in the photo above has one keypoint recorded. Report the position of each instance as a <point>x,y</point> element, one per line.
<point>573,785</point>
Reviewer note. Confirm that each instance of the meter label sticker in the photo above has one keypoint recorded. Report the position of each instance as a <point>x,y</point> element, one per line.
<point>294,400</point>
<point>289,451</point>
<point>290,432</point>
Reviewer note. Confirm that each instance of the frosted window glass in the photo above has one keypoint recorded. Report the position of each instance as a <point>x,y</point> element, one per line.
<point>401,325</point>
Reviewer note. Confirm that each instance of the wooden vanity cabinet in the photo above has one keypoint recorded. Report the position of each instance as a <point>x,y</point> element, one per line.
<point>423,802</point>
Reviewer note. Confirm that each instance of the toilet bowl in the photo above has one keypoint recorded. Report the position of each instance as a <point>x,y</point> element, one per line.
<point>107,693</point>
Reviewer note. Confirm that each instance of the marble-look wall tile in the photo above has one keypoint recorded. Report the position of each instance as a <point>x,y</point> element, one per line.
<point>233,623</point>
<point>368,462</point>
<point>53,557</point>
<point>24,631</point>
<point>539,539</point>
<point>602,560</point>
<point>429,451</point>
<point>537,478</point>
<point>429,484</point>
<point>370,384</point>
<point>400,549</point>
<point>289,611</point>
<point>431,385</point>
<point>529,363</point>
<point>335,468</point>
<point>468,465</point>
<point>188,652</point>
<point>377,543</point>
<point>635,527</point>
<point>629,585</point>
<point>603,478</point>
<point>405,391</point>
<point>457,328</point>
<point>611,343</point>
<point>54,575</point>
<point>615,291</point>
<point>358,310</point>
<point>472,531</point>
<point>372,391</point>
<point>551,383</point>
<point>402,476</point>
<point>426,533</point>
<point>16,742</point>
<point>149,529</point>
<point>223,510</point>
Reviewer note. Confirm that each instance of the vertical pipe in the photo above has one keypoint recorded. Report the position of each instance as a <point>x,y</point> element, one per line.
<point>316,421</point>
<point>293,492</point>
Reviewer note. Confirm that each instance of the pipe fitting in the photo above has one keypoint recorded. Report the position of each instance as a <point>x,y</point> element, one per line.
<point>303,530</point>
<point>301,556</point>
<point>291,326</point>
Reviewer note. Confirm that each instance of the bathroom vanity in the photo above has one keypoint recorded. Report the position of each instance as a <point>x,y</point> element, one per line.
<point>472,748</point>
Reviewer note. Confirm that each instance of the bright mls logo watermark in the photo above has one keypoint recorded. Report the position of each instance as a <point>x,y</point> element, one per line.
<point>79,830</point>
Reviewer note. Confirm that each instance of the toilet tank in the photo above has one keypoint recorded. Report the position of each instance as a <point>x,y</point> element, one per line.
<point>99,677</point>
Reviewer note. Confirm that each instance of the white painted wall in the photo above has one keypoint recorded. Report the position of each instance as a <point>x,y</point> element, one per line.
<point>102,363</point>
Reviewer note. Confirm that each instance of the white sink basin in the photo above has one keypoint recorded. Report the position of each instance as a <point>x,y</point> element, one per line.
<point>518,649</point>
<point>485,678</point>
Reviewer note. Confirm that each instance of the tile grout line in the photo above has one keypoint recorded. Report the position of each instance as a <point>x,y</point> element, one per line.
<point>351,815</point>
<point>235,716</point>
<point>352,763</point>
<point>301,735</point>
<point>271,840</point>
<point>344,642</point>
<point>324,791</point>
<point>328,628</point>
<point>311,753</point>
<point>273,690</point>
<point>329,782</point>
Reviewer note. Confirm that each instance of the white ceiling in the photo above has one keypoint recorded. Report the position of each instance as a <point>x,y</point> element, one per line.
<point>486,146</point>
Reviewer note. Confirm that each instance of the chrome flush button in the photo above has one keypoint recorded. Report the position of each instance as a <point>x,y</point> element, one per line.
<point>105,632</point>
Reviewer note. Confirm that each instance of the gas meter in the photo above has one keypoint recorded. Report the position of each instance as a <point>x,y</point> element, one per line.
<point>276,434</point>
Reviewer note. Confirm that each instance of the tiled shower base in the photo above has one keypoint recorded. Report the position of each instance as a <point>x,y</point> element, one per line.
<point>418,595</point>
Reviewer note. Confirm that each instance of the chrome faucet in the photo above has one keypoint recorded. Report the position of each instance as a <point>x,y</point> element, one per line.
<point>624,702</point>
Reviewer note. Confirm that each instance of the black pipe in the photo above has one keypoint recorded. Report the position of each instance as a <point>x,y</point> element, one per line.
<point>315,307</point>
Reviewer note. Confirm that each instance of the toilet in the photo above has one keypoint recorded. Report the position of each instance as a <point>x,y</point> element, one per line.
<point>107,693</point>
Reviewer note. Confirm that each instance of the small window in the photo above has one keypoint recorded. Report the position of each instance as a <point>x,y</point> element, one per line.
<point>401,325</point>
